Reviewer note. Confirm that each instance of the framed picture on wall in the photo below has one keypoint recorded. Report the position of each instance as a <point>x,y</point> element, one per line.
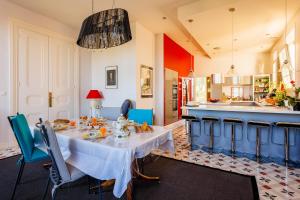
<point>146,81</point>
<point>111,77</point>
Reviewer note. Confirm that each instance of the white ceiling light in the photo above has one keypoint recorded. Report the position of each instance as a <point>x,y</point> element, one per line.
<point>231,71</point>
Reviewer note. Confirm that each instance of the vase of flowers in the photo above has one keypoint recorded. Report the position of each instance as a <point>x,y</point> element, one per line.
<point>294,97</point>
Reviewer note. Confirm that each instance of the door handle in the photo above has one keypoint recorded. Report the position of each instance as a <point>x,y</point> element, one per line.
<point>50,97</point>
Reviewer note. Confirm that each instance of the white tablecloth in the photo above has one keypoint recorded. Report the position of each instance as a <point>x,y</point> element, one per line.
<point>111,158</point>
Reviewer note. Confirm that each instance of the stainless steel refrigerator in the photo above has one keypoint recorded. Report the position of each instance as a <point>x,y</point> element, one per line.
<point>171,96</point>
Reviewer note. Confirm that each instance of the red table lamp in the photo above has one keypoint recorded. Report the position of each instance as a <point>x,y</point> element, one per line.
<point>95,97</point>
<point>94,94</point>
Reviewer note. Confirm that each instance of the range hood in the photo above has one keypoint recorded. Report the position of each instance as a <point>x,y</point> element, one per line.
<point>238,80</point>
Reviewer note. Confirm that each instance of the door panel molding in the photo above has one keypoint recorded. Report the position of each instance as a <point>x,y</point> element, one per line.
<point>15,26</point>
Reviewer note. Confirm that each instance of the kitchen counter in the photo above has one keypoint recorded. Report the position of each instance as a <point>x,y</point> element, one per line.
<point>246,109</point>
<point>271,139</point>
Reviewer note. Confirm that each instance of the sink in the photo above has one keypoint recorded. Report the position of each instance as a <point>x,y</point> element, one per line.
<point>241,103</point>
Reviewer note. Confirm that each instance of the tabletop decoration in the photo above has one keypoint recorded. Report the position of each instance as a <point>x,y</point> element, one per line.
<point>144,128</point>
<point>121,126</point>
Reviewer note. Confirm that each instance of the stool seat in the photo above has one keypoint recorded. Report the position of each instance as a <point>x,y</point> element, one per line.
<point>210,119</point>
<point>288,124</point>
<point>196,120</point>
<point>232,120</point>
<point>259,123</point>
<point>188,117</point>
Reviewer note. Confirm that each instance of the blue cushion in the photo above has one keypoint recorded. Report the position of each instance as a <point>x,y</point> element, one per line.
<point>125,107</point>
<point>37,155</point>
<point>25,139</point>
<point>141,115</point>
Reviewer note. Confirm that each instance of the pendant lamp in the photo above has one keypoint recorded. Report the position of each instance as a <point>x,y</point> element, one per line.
<point>105,29</point>
<point>231,71</point>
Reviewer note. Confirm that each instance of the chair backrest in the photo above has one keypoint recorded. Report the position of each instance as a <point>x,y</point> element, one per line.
<point>23,135</point>
<point>141,115</point>
<point>126,106</point>
<point>59,170</point>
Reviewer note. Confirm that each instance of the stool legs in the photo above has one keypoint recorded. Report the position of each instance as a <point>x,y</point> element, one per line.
<point>211,132</point>
<point>232,139</point>
<point>286,144</point>
<point>257,144</point>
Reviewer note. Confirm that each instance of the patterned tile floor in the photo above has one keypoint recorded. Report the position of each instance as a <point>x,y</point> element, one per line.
<point>274,181</point>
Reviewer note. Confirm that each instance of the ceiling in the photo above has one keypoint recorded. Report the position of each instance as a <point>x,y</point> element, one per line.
<point>149,13</point>
<point>258,24</point>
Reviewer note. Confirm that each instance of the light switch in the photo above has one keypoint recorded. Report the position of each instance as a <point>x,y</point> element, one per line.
<point>3,93</point>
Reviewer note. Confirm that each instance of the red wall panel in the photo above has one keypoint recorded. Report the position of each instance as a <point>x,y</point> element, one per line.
<point>178,59</point>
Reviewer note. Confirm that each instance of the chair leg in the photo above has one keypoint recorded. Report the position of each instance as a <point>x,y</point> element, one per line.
<point>54,191</point>
<point>46,190</point>
<point>19,176</point>
<point>100,192</point>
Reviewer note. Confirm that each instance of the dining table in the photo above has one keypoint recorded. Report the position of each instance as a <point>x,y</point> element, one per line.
<point>110,157</point>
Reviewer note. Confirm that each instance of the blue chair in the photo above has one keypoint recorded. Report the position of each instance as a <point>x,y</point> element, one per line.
<point>30,153</point>
<point>141,115</point>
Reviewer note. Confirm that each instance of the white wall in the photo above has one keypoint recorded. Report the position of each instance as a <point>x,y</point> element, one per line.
<point>128,57</point>
<point>294,23</point>
<point>145,49</point>
<point>9,11</point>
<point>85,71</point>
<point>246,63</point>
<point>124,57</point>
<point>159,79</point>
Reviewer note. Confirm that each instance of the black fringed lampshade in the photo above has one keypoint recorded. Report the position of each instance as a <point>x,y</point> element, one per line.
<point>105,29</point>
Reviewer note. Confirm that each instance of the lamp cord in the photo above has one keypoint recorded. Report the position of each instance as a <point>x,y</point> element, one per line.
<point>232,30</point>
<point>285,31</point>
<point>92,6</point>
<point>113,4</point>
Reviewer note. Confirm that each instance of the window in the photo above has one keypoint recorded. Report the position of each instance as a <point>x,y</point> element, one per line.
<point>237,92</point>
<point>288,52</point>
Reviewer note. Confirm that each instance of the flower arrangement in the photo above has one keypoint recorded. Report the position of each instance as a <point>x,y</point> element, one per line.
<point>284,96</point>
<point>296,89</point>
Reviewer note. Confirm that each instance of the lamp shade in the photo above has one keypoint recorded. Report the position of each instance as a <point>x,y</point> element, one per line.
<point>105,29</point>
<point>94,94</point>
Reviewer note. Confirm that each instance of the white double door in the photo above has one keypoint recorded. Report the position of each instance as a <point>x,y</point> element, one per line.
<point>47,76</point>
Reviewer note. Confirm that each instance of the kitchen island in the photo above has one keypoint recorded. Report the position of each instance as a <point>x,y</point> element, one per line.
<point>271,139</point>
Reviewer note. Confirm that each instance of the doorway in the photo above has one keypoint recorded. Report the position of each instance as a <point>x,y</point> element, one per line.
<point>45,74</point>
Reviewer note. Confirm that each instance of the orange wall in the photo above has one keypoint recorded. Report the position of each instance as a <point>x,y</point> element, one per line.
<point>178,59</point>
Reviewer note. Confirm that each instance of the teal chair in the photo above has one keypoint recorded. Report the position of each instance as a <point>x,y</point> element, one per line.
<point>30,153</point>
<point>141,115</point>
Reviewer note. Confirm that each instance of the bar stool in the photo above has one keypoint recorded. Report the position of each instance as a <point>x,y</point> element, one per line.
<point>258,125</point>
<point>287,126</point>
<point>188,119</point>
<point>233,123</point>
<point>193,137</point>
<point>211,120</point>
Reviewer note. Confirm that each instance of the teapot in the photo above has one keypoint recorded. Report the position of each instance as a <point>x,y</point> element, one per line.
<point>121,127</point>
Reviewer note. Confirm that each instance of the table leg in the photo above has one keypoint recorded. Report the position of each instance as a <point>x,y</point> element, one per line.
<point>129,194</point>
<point>138,174</point>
